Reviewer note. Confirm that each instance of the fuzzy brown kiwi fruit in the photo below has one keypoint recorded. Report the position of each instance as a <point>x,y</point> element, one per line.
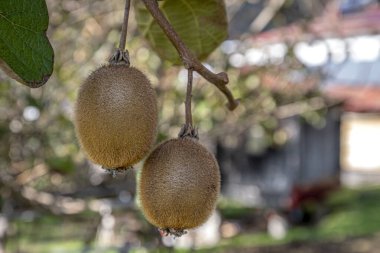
<point>179,185</point>
<point>116,116</point>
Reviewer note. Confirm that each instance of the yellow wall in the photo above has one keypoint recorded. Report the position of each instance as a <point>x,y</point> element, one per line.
<point>360,142</point>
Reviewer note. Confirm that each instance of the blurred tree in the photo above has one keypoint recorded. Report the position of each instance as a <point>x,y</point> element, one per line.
<point>42,167</point>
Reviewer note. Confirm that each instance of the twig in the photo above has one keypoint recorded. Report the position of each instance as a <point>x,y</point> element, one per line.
<point>266,15</point>
<point>121,55</point>
<point>220,80</point>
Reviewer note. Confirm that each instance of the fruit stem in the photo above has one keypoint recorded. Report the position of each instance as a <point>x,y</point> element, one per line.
<point>121,55</point>
<point>188,130</point>
<point>220,80</point>
<point>189,117</point>
<point>124,28</point>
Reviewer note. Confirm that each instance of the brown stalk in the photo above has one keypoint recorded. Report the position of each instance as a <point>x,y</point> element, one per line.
<point>189,117</point>
<point>124,28</point>
<point>187,129</point>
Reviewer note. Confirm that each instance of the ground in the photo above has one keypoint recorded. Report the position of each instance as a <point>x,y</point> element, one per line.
<point>350,224</point>
<point>367,244</point>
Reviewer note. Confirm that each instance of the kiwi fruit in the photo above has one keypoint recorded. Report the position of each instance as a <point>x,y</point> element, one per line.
<point>179,185</point>
<point>116,116</point>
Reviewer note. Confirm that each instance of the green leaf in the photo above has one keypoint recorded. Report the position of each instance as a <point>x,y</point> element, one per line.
<point>25,52</point>
<point>201,24</point>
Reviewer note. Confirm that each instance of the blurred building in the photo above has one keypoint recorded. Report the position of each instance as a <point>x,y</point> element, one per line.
<point>342,45</point>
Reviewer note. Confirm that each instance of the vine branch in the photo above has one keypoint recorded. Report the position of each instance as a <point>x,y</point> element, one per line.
<point>220,80</point>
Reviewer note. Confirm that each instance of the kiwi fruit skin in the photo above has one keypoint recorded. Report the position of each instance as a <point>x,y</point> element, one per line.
<point>179,184</point>
<point>116,116</point>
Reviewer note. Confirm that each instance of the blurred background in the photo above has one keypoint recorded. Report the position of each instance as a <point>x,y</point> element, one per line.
<point>299,157</point>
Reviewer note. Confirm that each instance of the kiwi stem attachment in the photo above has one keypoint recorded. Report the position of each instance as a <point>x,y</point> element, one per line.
<point>121,55</point>
<point>220,80</point>
<point>114,171</point>
<point>172,232</point>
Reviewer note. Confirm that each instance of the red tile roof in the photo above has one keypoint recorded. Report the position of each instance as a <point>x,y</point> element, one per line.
<point>330,25</point>
<point>356,99</point>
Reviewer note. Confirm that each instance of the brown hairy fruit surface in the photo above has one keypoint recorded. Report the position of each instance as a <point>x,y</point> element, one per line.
<point>179,185</point>
<point>116,116</point>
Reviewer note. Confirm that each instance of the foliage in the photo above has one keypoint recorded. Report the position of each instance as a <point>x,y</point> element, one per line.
<point>25,51</point>
<point>201,24</point>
